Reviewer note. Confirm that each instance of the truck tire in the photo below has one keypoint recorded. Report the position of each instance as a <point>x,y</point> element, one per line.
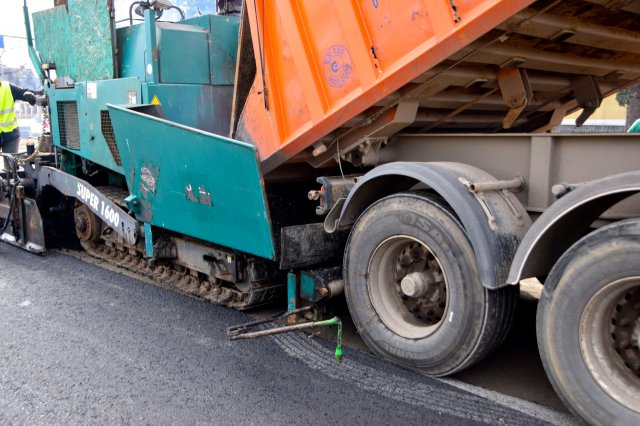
<point>588,326</point>
<point>413,288</point>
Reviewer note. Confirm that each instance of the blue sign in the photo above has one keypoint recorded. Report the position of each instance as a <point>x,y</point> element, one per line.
<point>1,42</point>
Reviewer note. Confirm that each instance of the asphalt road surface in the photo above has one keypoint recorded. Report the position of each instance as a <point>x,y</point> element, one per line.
<point>80,344</point>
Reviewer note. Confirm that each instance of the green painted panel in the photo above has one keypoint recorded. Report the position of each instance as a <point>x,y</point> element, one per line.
<point>211,58</point>
<point>77,40</point>
<point>51,30</point>
<point>223,49</point>
<point>223,45</point>
<point>131,48</point>
<point>193,182</point>
<point>177,63</point>
<point>204,107</point>
<point>86,133</point>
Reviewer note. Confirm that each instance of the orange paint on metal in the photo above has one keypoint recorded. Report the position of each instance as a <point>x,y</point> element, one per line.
<point>328,60</point>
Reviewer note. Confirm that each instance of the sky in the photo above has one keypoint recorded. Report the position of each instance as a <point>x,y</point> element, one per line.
<point>12,23</point>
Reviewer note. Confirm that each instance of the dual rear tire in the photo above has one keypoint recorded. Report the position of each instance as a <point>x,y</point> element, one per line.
<point>413,287</point>
<point>588,326</point>
<point>414,293</point>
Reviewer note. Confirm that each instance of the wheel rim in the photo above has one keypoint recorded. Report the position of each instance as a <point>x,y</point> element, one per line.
<point>610,339</point>
<point>87,223</point>
<point>407,287</point>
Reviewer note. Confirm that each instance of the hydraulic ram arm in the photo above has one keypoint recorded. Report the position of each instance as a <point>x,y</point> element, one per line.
<point>35,60</point>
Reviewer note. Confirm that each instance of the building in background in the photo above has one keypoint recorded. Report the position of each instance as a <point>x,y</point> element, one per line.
<point>609,118</point>
<point>22,76</point>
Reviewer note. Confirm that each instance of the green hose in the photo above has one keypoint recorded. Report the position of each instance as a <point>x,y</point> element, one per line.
<point>335,321</point>
<point>339,344</point>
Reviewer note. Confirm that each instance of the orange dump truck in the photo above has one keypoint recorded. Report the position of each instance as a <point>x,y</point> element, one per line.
<point>437,117</point>
<point>401,152</point>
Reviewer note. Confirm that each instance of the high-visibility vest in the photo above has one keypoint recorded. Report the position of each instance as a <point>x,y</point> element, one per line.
<point>8,120</point>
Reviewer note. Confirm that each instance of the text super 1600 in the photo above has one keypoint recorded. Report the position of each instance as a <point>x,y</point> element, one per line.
<point>103,209</point>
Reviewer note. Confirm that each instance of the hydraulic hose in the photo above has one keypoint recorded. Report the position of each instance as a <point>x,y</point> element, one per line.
<point>13,190</point>
<point>131,12</point>
<point>159,12</point>
<point>179,10</point>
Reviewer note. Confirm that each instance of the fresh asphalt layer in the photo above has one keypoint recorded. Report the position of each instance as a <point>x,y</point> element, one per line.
<point>84,345</point>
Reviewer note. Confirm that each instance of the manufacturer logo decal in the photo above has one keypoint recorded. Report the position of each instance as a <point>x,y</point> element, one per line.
<point>336,66</point>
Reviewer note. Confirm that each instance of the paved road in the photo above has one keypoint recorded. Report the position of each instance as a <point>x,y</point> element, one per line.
<point>83,345</point>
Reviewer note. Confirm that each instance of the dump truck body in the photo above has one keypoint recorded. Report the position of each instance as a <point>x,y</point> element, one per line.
<point>362,71</point>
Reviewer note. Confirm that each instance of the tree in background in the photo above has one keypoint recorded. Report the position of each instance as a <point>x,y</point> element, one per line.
<point>630,98</point>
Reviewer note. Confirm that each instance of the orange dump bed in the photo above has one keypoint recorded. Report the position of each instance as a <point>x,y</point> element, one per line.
<point>322,63</point>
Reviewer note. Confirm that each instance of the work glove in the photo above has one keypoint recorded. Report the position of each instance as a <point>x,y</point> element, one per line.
<point>41,101</point>
<point>29,97</point>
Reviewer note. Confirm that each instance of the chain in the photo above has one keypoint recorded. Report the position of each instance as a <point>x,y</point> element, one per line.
<point>45,120</point>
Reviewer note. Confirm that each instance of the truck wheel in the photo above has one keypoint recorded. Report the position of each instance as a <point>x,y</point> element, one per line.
<point>588,326</point>
<point>413,289</point>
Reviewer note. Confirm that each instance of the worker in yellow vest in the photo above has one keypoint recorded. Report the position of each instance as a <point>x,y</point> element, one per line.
<point>9,132</point>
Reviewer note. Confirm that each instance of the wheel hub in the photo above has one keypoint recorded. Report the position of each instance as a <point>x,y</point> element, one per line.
<point>625,329</point>
<point>415,284</point>
<point>420,283</point>
<point>609,339</point>
<point>87,224</point>
<point>407,287</point>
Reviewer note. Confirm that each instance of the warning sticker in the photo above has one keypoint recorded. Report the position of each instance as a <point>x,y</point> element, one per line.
<point>132,97</point>
<point>155,100</point>
<point>92,90</point>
